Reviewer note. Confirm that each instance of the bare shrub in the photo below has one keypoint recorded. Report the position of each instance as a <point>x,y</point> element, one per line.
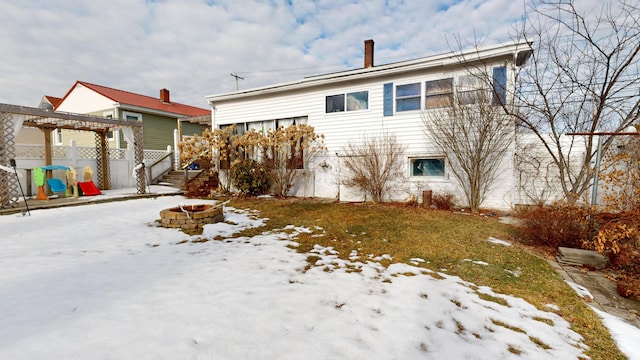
<point>286,151</point>
<point>444,201</point>
<point>373,165</point>
<point>557,225</point>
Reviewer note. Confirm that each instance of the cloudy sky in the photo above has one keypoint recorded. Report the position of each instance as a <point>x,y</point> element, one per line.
<point>192,46</point>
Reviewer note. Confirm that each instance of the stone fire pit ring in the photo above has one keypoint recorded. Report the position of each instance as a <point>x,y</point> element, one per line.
<point>191,218</point>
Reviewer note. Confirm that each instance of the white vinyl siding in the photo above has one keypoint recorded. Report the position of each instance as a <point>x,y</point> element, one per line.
<point>343,127</point>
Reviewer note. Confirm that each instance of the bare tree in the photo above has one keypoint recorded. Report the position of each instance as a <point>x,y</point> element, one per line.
<point>475,137</point>
<point>582,77</point>
<point>286,151</point>
<point>373,165</point>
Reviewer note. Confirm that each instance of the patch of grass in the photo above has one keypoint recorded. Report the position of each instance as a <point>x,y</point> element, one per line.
<point>459,327</point>
<point>443,240</point>
<point>543,320</point>
<point>507,326</point>
<point>492,298</point>
<point>539,342</point>
<point>514,350</point>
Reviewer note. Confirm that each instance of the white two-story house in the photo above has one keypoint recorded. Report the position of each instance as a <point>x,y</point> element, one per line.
<point>374,100</point>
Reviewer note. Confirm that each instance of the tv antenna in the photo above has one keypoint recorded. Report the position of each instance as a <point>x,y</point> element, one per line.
<point>237,77</point>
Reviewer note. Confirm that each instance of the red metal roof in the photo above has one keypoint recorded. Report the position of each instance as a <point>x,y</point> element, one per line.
<point>129,98</point>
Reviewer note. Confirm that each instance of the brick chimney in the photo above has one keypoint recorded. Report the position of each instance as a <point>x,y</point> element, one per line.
<point>164,96</point>
<point>368,53</point>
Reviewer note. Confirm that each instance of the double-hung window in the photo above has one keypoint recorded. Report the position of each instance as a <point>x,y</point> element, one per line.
<point>439,93</point>
<point>408,97</point>
<point>469,89</point>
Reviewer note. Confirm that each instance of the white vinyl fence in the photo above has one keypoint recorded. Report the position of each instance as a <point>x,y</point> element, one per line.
<point>121,163</point>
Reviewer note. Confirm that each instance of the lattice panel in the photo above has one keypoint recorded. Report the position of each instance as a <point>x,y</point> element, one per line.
<point>117,154</point>
<point>102,162</point>
<point>59,152</point>
<point>30,151</point>
<point>8,183</point>
<point>151,156</point>
<point>139,158</point>
<point>87,153</point>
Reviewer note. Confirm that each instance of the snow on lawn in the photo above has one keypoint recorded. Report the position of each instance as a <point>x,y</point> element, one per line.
<point>104,281</point>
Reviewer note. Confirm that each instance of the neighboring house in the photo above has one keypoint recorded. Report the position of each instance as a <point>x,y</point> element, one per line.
<point>159,115</point>
<point>372,100</point>
<point>49,102</point>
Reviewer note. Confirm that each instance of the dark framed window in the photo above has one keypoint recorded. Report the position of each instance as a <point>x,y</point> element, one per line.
<point>427,167</point>
<point>408,97</point>
<point>439,93</point>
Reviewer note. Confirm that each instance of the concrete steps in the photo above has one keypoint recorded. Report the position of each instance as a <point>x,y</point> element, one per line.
<point>580,257</point>
<point>175,178</point>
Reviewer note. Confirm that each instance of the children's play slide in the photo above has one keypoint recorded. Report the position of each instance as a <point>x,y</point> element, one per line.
<point>88,188</point>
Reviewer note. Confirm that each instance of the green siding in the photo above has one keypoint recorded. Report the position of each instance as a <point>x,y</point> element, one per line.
<point>189,129</point>
<point>158,131</point>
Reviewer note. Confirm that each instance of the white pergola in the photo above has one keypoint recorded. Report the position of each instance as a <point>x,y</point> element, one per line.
<point>14,117</point>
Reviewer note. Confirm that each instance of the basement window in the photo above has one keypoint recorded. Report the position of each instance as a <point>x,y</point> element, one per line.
<point>433,167</point>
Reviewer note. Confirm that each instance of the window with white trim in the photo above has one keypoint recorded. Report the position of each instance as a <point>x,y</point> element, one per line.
<point>110,134</point>
<point>439,93</point>
<point>408,97</point>
<point>353,101</point>
<point>469,89</point>
<point>57,136</point>
<point>129,116</point>
<point>432,167</point>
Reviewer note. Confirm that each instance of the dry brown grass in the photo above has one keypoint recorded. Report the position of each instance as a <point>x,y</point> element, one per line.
<point>444,240</point>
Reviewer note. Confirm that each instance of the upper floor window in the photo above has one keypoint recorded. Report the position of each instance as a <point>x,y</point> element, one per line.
<point>469,89</point>
<point>358,100</point>
<point>439,93</point>
<point>335,103</point>
<point>351,102</point>
<point>408,97</point>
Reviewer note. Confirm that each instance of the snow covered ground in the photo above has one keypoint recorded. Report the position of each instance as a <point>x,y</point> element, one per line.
<point>103,281</point>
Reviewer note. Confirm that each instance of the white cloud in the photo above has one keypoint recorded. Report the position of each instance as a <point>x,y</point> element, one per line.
<point>192,46</point>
